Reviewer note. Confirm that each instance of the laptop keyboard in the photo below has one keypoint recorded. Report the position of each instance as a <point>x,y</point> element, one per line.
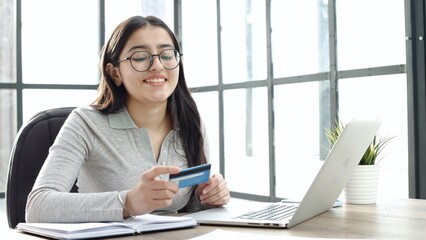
<point>271,212</point>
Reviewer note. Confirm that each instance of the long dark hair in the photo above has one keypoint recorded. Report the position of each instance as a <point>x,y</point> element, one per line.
<point>180,104</point>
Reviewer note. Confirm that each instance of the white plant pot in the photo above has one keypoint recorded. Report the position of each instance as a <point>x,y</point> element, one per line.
<point>363,185</point>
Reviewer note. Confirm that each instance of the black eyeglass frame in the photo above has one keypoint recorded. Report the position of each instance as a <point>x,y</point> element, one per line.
<point>177,54</point>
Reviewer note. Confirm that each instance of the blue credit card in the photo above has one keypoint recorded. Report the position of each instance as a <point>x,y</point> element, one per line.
<point>191,176</point>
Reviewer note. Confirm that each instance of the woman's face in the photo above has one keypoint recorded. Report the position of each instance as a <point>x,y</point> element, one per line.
<point>154,85</point>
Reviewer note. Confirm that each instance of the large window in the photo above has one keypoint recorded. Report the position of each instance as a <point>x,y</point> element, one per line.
<point>268,77</point>
<point>285,71</point>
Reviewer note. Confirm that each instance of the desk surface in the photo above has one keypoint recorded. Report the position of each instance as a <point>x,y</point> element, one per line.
<point>399,219</point>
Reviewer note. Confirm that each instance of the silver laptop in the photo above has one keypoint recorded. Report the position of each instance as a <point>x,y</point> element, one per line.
<point>321,195</point>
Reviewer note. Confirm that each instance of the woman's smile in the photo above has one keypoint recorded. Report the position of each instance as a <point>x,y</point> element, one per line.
<point>155,80</point>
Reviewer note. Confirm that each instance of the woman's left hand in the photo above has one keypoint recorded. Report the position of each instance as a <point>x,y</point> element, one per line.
<point>214,192</point>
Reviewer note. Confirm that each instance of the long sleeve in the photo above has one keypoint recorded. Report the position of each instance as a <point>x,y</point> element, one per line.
<point>50,200</point>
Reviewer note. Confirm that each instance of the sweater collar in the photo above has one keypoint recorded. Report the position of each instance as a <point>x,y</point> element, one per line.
<point>121,119</point>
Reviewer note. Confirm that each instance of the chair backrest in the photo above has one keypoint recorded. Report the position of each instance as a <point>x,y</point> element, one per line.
<point>29,152</point>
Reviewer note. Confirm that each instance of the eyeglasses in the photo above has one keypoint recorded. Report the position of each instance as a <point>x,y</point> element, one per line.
<point>141,61</point>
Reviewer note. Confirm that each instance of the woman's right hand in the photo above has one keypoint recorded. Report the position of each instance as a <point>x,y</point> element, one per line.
<point>151,192</point>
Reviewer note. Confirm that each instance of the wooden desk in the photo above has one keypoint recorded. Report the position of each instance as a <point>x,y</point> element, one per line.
<point>399,219</point>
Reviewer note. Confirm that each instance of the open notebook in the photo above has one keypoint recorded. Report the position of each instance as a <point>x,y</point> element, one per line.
<point>140,224</point>
<point>321,195</point>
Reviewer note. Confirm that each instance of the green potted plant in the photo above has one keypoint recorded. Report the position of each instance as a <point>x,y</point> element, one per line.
<point>363,185</point>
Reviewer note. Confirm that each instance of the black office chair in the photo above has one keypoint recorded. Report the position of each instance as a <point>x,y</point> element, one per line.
<point>29,152</point>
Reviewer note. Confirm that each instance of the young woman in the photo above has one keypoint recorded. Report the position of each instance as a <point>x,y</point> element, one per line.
<point>143,125</point>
